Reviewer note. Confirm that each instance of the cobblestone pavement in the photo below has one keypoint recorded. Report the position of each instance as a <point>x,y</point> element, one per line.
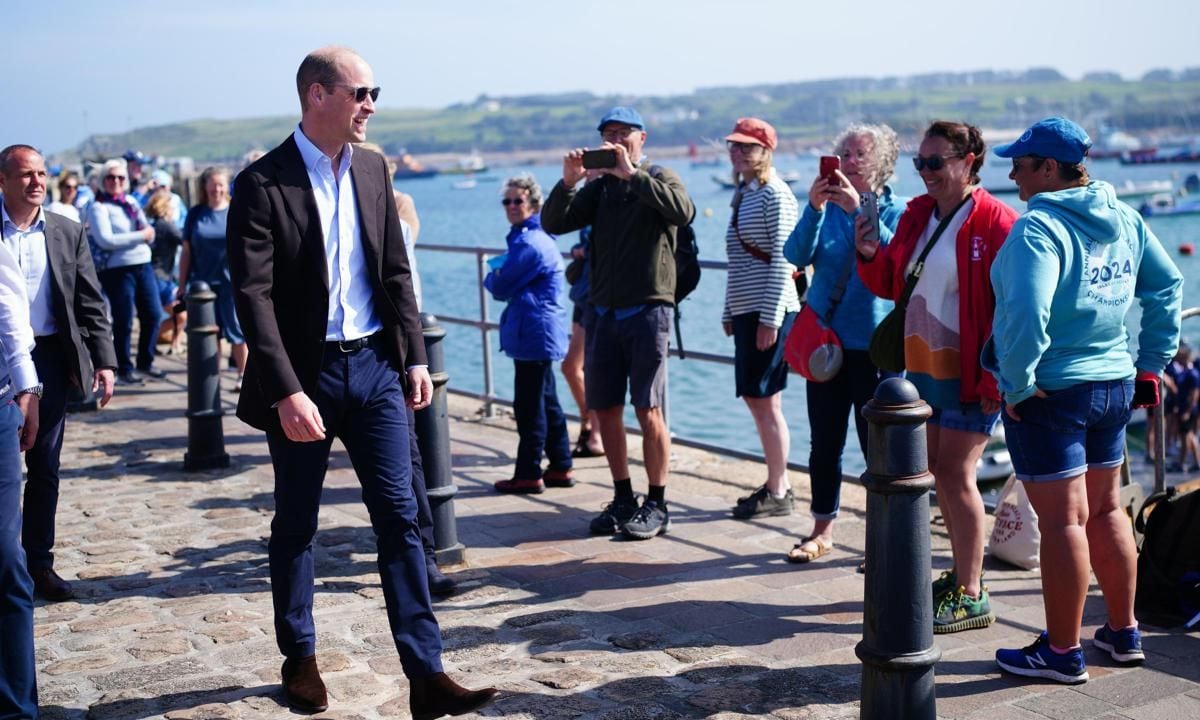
<point>173,617</point>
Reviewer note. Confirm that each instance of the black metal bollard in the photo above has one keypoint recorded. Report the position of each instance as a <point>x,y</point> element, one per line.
<point>206,436</point>
<point>433,440</point>
<point>897,648</point>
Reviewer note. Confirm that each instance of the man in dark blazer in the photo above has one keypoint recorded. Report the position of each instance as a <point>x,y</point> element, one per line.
<point>74,341</point>
<point>324,293</point>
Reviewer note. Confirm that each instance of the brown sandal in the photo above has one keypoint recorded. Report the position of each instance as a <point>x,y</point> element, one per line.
<point>798,554</point>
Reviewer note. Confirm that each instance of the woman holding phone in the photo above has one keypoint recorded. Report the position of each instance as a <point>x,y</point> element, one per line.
<point>761,303</point>
<point>824,238</point>
<point>947,321</point>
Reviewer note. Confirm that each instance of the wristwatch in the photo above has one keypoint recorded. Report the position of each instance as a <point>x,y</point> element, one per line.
<point>32,390</point>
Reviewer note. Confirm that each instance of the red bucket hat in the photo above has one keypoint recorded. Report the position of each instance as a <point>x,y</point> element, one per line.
<point>753,130</point>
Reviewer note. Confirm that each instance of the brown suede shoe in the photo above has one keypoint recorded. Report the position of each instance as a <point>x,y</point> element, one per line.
<point>302,685</point>
<point>49,586</point>
<point>437,695</point>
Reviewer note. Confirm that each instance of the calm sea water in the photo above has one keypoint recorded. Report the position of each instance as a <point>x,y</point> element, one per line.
<point>701,400</point>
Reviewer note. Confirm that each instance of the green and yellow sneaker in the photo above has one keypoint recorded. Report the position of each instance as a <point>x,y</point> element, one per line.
<point>957,611</point>
<point>946,582</point>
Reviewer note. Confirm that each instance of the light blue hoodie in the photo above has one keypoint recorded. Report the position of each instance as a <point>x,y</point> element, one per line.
<point>1064,280</point>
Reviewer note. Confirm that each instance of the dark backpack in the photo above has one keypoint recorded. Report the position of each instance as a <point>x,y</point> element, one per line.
<point>1168,567</point>
<point>687,265</point>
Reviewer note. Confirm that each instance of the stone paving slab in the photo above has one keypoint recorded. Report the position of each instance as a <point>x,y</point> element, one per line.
<point>173,617</point>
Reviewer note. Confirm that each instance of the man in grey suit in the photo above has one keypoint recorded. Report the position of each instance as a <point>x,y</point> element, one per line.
<point>73,341</point>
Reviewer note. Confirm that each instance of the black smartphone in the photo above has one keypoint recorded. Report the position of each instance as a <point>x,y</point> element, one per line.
<point>870,210</point>
<point>599,159</point>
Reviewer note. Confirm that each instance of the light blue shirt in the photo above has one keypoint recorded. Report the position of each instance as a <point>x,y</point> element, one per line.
<point>351,303</point>
<point>16,337</point>
<point>28,247</point>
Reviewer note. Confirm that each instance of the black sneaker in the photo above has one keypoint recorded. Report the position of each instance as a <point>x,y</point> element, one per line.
<point>130,377</point>
<point>153,372</point>
<point>651,519</point>
<point>762,502</point>
<point>613,516</point>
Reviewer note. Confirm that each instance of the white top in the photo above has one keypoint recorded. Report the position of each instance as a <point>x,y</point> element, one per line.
<point>67,211</point>
<point>351,303</point>
<point>16,336</point>
<point>28,248</point>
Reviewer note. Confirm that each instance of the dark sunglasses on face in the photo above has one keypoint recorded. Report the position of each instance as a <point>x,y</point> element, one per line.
<point>70,187</point>
<point>1035,162</point>
<point>933,162</point>
<point>361,93</point>
<point>119,178</point>
<point>512,201</point>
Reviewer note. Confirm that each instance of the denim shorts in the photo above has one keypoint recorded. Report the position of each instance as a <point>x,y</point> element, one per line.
<point>967,419</point>
<point>1068,431</point>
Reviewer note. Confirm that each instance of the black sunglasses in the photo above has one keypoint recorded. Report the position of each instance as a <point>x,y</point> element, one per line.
<point>361,93</point>
<point>933,162</point>
<point>512,201</point>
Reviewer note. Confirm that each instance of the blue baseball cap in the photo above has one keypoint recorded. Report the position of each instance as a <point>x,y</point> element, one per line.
<point>623,115</point>
<point>1054,137</point>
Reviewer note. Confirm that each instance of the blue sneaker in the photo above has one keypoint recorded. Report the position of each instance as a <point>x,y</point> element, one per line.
<point>1038,660</point>
<point>1125,646</point>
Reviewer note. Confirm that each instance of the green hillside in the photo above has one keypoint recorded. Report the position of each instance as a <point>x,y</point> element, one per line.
<point>805,114</point>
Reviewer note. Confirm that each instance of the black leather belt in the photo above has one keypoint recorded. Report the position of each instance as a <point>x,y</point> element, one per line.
<point>348,346</point>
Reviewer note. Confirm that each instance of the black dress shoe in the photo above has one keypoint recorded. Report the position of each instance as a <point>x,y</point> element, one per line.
<point>302,685</point>
<point>154,372</point>
<point>439,584</point>
<point>130,377</point>
<point>437,695</point>
<point>49,586</point>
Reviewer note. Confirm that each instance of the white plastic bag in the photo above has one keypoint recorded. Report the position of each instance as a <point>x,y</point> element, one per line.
<point>1015,536</point>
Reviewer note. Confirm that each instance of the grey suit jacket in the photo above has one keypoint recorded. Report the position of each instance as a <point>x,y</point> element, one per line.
<point>79,310</point>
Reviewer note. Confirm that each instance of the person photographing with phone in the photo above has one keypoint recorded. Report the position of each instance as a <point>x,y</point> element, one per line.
<point>865,160</point>
<point>937,264</point>
<point>635,210</point>
<point>1071,268</point>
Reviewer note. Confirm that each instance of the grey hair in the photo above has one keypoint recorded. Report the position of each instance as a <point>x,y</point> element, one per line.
<point>529,184</point>
<point>885,149</point>
<point>113,164</point>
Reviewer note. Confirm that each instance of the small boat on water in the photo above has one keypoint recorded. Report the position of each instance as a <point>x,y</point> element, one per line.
<point>1127,191</point>
<point>714,160</point>
<point>409,168</point>
<point>1168,204</point>
<point>1155,156</point>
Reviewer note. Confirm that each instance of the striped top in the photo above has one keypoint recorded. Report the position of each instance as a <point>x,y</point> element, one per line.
<point>766,215</point>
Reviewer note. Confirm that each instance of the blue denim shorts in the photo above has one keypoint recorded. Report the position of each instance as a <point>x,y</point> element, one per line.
<point>966,419</point>
<point>1068,431</point>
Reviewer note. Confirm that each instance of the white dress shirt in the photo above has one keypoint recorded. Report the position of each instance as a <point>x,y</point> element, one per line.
<point>28,247</point>
<point>351,303</point>
<point>16,337</point>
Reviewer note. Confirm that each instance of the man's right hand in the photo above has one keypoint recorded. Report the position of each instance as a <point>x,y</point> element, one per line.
<point>573,170</point>
<point>300,419</point>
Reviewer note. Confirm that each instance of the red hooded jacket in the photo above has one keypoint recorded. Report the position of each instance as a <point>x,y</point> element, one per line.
<point>980,238</point>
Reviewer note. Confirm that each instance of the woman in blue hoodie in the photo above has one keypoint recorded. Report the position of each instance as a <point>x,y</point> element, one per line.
<point>1071,268</point>
<point>533,332</point>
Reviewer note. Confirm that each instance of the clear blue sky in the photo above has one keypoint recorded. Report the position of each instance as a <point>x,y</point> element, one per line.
<point>86,67</point>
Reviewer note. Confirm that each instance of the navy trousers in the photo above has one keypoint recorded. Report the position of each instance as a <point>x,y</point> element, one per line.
<point>360,399</point>
<point>18,679</point>
<point>42,460</point>
<point>127,288</point>
<point>541,424</point>
<point>829,404</point>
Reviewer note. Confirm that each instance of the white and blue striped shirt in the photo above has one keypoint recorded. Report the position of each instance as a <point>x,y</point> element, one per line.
<point>766,215</point>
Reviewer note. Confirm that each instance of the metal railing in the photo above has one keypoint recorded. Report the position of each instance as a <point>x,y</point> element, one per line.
<point>485,326</point>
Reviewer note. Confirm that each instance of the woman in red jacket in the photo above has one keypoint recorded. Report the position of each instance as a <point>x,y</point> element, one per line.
<point>949,317</point>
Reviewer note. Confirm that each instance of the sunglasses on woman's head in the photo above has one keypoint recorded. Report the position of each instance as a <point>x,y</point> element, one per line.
<point>933,162</point>
<point>512,201</point>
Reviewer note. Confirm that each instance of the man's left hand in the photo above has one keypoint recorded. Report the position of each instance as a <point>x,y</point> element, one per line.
<point>420,388</point>
<point>104,381</point>
<point>27,433</point>
<point>624,168</point>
